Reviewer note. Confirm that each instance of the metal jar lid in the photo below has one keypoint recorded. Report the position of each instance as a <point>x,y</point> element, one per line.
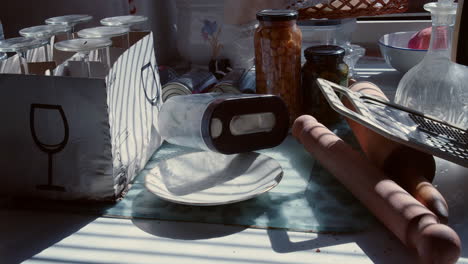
<point>322,52</point>
<point>277,15</point>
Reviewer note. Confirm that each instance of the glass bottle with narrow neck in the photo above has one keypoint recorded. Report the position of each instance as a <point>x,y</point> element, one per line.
<point>437,86</point>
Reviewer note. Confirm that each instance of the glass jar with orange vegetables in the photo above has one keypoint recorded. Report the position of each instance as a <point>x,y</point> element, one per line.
<point>278,57</point>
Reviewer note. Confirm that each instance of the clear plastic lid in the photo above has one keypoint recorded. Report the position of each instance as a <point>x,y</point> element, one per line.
<point>123,20</point>
<point>21,44</point>
<point>68,20</point>
<point>82,44</point>
<point>44,31</point>
<point>102,32</point>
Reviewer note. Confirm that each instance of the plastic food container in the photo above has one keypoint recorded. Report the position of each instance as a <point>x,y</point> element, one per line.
<point>224,123</point>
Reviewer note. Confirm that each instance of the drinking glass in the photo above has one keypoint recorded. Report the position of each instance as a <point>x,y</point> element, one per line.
<point>106,33</point>
<point>3,56</point>
<point>49,148</point>
<point>21,45</point>
<point>353,54</point>
<point>70,21</point>
<point>133,22</point>
<point>83,47</point>
<point>45,32</point>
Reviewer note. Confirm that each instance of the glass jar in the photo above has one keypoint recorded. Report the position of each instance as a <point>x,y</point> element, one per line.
<point>326,62</point>
<point>278,57</point>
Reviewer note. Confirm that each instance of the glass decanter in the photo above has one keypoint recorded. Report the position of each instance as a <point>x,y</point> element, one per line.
<point>437,86</point>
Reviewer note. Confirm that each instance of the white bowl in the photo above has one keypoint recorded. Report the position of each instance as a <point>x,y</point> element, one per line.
<point>394,48</point>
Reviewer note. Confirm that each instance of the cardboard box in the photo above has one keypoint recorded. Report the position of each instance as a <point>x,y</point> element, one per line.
<point>77,138</point>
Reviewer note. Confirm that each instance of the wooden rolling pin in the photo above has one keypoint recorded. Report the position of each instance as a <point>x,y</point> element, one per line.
<point>408,219</point>
<point>410,168</point>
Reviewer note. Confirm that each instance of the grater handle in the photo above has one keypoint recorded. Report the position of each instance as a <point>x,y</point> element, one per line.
<point>329,90</point>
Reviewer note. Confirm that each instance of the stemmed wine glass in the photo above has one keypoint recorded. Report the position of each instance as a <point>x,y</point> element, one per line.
<point>3,56</point>
<point>21,45</point>
<point>50,149</point>
<point>83,47</point>
<point>106,33</point>
<point>69,21</point>
<point>45,32</point>
<point>132,22</point>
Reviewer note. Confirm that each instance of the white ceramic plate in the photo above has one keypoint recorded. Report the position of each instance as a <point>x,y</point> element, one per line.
<point>208,178</point>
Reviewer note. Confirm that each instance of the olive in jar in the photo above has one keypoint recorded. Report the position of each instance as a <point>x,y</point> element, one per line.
<point>326,62</point>
<point>278,57</point>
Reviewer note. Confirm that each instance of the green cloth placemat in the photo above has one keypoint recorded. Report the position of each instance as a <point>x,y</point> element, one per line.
<point>307,199</point>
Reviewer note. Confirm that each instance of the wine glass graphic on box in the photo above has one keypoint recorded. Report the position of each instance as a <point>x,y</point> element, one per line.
<point>51,148</point>
<point>151,93</point>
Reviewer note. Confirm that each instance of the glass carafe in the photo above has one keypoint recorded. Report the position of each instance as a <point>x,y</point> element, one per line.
<point>437,86</point>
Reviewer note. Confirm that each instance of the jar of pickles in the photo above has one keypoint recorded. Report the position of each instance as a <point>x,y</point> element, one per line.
<point>278,57</point>
<point>326,62</point>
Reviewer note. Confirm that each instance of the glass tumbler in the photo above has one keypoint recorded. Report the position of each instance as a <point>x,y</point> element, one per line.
<point>21,45</point>
<point>70,21</point>
<point>83,47</point>
<point>45,32</point>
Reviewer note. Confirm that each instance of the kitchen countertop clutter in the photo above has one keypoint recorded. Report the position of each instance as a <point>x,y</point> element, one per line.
<point>295,140</point>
